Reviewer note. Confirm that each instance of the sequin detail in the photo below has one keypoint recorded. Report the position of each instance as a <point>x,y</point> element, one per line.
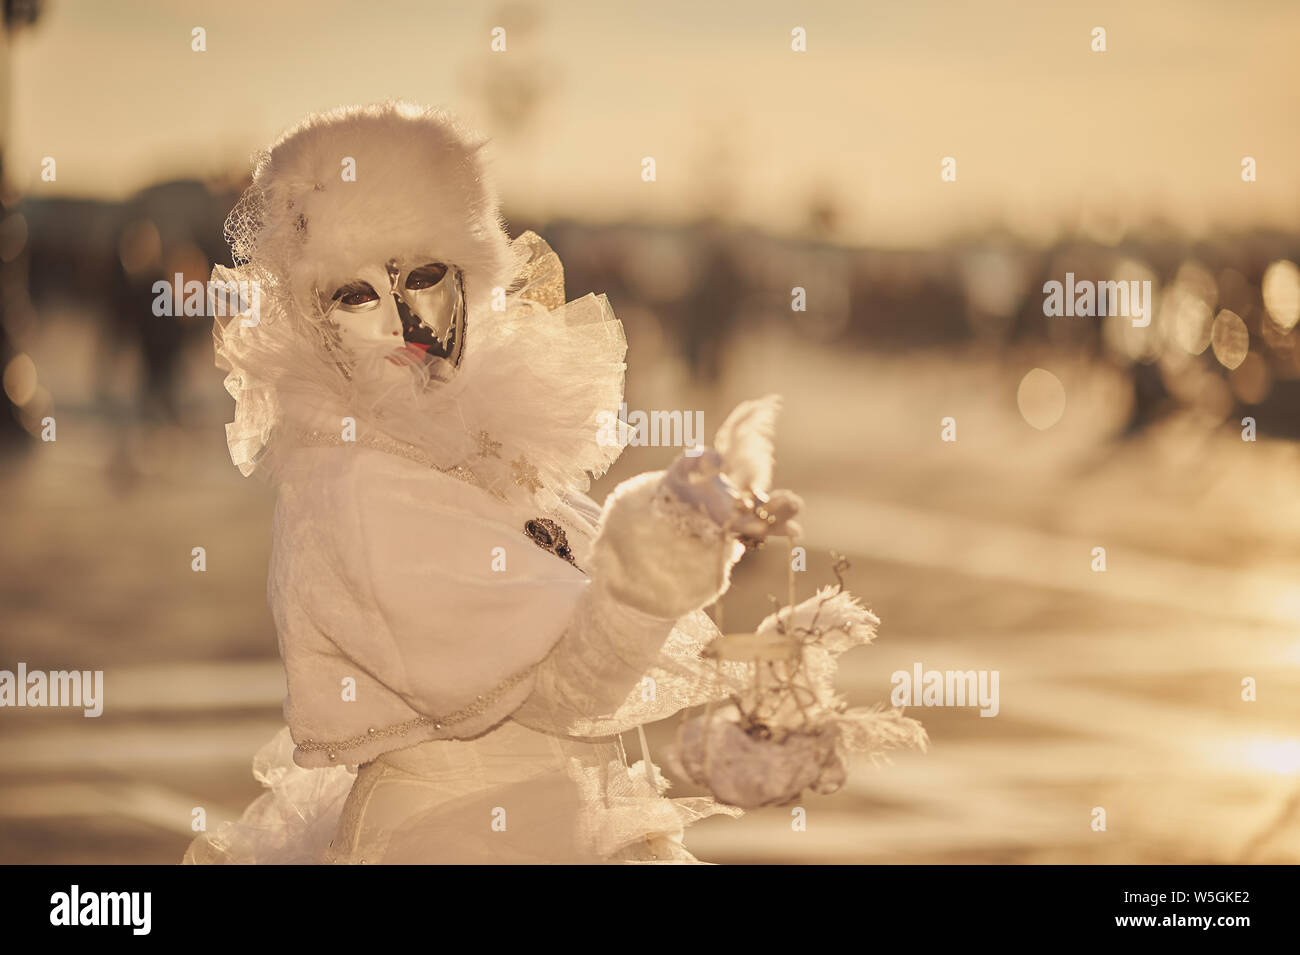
<point>487,447</point>
<point>525,474</point>
<point>541,278</point>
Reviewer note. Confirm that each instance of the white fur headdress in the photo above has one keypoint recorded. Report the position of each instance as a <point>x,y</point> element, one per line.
<point>420,190</point>
<point>522,415</point>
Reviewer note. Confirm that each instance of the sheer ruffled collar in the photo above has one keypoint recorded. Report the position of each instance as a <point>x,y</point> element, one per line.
<point>526,414</point>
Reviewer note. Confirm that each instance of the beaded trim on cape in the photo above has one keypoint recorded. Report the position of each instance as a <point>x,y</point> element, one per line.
<point>481,702</point>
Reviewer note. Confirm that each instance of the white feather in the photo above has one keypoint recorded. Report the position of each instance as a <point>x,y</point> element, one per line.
<point>745,442</point>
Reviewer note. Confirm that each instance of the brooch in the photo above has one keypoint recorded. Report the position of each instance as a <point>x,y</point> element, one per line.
<point>550,536</point>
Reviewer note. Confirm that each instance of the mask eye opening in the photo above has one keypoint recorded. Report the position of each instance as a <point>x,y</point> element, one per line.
<point>425,276</point>
<point>355,296</point>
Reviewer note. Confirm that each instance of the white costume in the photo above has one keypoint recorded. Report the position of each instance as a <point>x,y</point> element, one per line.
<point>456,618</point>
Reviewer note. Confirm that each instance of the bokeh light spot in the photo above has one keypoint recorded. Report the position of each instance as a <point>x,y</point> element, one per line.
<point>20,379</point>
<point>1230,339</point>
<point>1281,288</point>
<point>1041,398</point>
<point>1274,755</point>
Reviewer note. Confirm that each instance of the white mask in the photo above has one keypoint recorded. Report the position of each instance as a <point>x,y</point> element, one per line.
<point>406,312</point>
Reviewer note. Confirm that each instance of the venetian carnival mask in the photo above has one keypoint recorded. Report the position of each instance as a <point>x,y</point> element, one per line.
<point>405,311</point>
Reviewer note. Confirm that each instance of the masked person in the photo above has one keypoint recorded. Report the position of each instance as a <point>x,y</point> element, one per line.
<point>465,633</point>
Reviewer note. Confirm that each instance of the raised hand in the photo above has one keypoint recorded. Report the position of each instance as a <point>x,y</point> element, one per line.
<point>728,483</point>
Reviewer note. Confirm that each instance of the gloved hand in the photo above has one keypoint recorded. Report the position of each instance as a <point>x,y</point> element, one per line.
<point>668,539</point>
<point>699,481</point>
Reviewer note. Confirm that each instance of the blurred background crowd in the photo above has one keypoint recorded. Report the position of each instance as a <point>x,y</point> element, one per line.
<point>776,170</point>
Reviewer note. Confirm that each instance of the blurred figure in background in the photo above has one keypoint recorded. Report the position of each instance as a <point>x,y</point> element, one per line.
<point>171,233</point>
<point>705,317</point>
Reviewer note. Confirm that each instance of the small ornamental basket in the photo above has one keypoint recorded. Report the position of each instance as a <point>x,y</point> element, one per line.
<point>788,732</point>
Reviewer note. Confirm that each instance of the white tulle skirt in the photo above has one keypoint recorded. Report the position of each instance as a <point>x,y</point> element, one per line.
<point>511,796</point>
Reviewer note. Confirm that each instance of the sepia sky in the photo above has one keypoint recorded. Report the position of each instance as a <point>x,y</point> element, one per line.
<point>1046,133</point>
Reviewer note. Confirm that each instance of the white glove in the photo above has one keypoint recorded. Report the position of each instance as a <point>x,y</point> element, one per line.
<point>701,482</point>
<point>668,539</point>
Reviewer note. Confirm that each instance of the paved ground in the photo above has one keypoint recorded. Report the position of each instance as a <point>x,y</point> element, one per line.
<point>1118,690</point>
